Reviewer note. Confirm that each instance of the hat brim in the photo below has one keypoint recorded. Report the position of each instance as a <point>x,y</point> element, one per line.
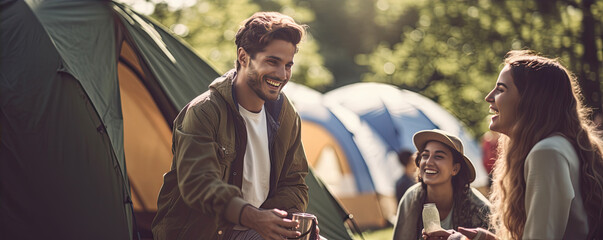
<point>421,138</point>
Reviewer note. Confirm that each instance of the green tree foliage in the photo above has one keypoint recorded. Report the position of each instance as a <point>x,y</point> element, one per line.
<point>448,50</point>
<point>453,50</point>
<point>210,26</point>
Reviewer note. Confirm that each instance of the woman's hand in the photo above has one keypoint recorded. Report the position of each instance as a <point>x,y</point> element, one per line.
<point>462,234</point>
<point>437,234</point>
<point>477,233</point>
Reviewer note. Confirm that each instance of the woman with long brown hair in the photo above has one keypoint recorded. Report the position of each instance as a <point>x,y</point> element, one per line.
<point>548,181</point>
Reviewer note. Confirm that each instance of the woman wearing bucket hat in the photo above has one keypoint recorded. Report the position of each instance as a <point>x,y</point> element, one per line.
<point>444,177</point>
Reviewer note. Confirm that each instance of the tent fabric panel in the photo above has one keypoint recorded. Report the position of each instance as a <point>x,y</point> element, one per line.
<point>383,165</point>
<point>147,139</point>
<point>410,124</point>
<point>316,138</point>
<point>327,159</point>
<point>327,210</point>
<point>381,117</point>
<point>127,54</point>
<point>83,32</point>
<point>59,176</point>
<point>367,214</point>
<point>180,72</point>
<point>370,102</point>
<point>396,123</point>
<point>22,36</point>
<point>131,58</point>
<point>406,117</point>
<point>364,182</point>
<point>61,180</point>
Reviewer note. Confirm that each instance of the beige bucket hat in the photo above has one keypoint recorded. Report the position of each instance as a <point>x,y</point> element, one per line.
<point>421,138</point>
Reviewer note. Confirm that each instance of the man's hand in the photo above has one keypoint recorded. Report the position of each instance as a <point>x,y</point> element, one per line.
<point>270,224</point>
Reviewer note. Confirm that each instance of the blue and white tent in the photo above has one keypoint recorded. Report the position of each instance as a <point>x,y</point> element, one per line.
<point>398,114</point>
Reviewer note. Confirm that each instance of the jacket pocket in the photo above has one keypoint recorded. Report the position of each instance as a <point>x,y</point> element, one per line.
<point>225,157</point>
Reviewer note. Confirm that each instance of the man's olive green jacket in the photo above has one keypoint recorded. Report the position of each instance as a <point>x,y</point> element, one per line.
<point>201,194</point>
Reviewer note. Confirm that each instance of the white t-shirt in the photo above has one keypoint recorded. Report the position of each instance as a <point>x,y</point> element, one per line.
<point>256,167</point>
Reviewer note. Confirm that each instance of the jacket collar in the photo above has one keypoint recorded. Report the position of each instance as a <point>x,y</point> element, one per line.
<point>224,85</point>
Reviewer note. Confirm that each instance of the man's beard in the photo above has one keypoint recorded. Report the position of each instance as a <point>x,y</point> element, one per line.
<point>255,83</point>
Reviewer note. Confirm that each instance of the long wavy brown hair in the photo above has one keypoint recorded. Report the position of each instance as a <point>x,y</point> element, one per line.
<point>550,102</point>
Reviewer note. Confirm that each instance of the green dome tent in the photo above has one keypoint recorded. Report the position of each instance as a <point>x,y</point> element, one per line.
<point>86,89</point>
<point>69,70</point>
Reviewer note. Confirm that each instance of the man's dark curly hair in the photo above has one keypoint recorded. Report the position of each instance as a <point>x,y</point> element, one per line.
<point>263,27</point>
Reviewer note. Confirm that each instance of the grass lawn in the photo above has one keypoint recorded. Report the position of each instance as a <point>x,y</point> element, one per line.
<point>381,234</point>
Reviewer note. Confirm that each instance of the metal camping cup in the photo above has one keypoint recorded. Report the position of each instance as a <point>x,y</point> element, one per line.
<point>307,224</point>
<point>431,217</point>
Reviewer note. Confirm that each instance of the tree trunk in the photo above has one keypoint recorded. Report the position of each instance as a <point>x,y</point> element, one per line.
<point>588,75</point>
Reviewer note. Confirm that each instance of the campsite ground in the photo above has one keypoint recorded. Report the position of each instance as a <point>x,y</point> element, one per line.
<point>381,234</point>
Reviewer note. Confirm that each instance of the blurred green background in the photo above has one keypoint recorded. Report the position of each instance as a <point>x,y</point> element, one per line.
<point>448,50</point>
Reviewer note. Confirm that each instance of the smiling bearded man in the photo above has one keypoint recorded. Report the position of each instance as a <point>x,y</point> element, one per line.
<point>239,165</point>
